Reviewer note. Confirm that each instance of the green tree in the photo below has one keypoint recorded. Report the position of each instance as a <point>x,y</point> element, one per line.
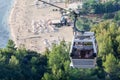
<point>13,61</point>
<point>117,16</point>
<point>21,64</point>
<point>11,44</point>
<point>111,67</point>
<point>110,64</point>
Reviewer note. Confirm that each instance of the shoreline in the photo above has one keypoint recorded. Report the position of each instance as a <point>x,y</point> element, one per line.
<point>9,20</point>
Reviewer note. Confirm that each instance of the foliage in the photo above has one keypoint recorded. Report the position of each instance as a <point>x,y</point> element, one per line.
<point>110,63</point>
<point>83,24</point>
<point>21,64</point>
<point>108,16</point>
<point>117,16</point>
<point>100,8</point>
<point>108,39</point>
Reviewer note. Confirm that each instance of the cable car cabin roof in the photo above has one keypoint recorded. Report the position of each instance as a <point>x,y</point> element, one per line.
<point>84,34</point>
<point>84,40</point>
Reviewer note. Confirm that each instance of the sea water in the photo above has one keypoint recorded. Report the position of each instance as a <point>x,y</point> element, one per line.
<point>5,7</point>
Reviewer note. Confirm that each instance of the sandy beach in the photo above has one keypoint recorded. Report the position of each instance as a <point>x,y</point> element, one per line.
<point>29,26</point>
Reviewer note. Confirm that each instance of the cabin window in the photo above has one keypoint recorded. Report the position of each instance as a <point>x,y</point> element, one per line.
<point>82,50</point>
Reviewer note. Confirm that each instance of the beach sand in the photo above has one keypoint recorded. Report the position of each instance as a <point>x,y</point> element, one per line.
<point>22,15</point>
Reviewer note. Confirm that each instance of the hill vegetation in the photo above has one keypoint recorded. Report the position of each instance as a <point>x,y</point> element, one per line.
<point>96,7</point>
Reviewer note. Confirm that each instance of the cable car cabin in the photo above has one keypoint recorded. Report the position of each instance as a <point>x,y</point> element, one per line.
<point>83,50</point>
